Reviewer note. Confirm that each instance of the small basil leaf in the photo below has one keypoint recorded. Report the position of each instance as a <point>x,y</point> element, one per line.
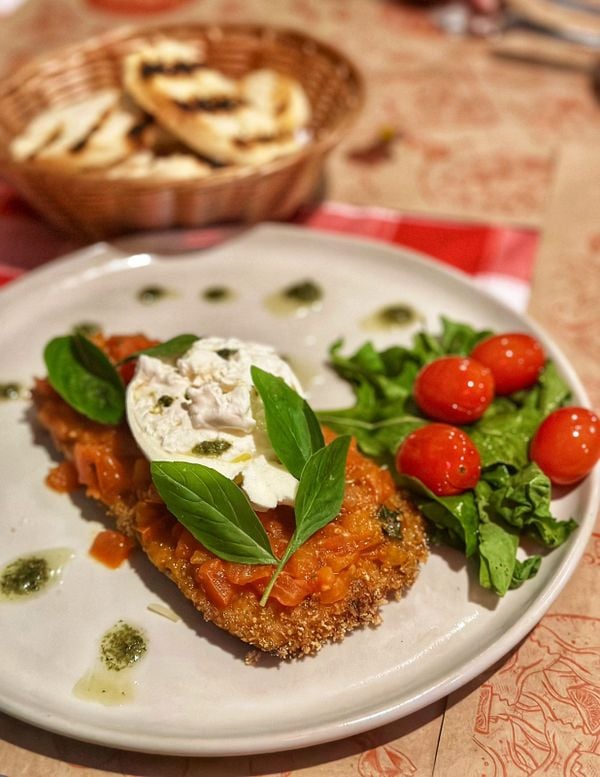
<point>95,361</point>
<point>170,349</point>
<point>214,510</point>
<point>85,378</point>
<point>318,499</point>
<point>321,489</point>
<point>293,428</point>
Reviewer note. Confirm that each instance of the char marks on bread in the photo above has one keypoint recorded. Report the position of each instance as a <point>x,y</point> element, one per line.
<point>175,118</point>
<point>247,121</point>
<point>95,132</point>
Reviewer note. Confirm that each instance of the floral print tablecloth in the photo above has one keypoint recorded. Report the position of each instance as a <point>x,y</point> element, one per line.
<point>489,164</point>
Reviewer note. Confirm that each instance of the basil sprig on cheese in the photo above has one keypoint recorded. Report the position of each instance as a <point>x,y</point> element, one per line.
<point>218,514</point>
<point>212,507</point>
<point>293,428</point>
<point>169,349</point>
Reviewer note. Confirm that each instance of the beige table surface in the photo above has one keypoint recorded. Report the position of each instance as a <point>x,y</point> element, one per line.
<point>477,138</point>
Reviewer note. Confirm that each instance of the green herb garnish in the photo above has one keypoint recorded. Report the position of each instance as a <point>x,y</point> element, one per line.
<point>170,349</point>
<point>85,378</point>
<point>25,576</point>
<point>11,390</point>
<point>390,521</point>
<point>227,353</point>
<point>318,499</point>
<point>217,512</point>
<point>88,381</point>
<point>151,294</point>
<point>214,510</point>
<point>293,428</point>
<point>305,291</point>
<point>216,293</point>
<point>122,646</point>
<point>211,447</point>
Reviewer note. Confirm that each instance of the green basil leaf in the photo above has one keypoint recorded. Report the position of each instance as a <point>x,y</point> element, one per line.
<point>214,510</point>
<point>321,489</point>
<point>170,349</point>
<point>294,431</point>
<point>85,378</point>
<point>318,499</point>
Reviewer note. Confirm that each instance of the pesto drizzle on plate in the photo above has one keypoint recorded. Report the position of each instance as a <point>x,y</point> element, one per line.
<point>218,294</point>
<point>11,390</point>
<point>152,294</point>
<point>110,680</point>
<point>298,299</point>
<point>394,316</point>
<point>30,575</point>
<point>122,646</point>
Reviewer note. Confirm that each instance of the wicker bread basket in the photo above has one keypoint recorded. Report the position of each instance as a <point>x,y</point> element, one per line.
<point>95,206</point>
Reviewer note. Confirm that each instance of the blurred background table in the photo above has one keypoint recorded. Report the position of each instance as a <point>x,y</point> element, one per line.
<point>450,130</point>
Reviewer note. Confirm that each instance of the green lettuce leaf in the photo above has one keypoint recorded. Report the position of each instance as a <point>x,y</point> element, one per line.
<point>512,498</point>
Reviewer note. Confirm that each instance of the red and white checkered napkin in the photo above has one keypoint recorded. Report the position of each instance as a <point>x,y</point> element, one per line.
<point>498,258</point>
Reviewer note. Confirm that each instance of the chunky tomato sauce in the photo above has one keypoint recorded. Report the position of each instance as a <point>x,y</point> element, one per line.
<point>106,461</point>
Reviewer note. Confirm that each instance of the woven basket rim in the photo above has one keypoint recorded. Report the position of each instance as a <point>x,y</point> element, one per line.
<point>123,33</point>
<point>214,180</point>
<point>129,31</point>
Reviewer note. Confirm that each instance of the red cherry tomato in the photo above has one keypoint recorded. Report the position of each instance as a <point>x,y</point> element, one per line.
<point>515,360</point>
<point>442,457</point>
<point>126,370</point>
<point>455,389</point>
<point>567,444</point>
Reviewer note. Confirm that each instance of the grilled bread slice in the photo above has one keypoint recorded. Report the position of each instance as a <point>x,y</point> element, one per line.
<point>333,584</point>
<point>94,132</point>
<point>250,121</point>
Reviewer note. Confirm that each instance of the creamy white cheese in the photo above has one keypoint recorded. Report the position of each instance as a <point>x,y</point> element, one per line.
<point>204,409</point>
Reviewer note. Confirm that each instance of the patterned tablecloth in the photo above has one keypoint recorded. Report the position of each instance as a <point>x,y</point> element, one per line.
<point>510,152</point>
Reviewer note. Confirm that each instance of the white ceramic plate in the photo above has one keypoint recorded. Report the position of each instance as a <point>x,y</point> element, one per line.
<point>194,694</point>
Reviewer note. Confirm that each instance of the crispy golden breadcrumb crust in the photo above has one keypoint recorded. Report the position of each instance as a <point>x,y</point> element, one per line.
<point>305,628</point>
<point>283,631</point>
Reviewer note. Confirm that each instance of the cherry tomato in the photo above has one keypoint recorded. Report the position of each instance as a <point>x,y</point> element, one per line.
<point>126,370</point>
<point>442,457</point>
<point>515,360</point>
<point>567,444</point>
<point>455,389</point>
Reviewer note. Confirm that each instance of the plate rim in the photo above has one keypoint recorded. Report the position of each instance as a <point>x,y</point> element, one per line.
<point>452,680</point>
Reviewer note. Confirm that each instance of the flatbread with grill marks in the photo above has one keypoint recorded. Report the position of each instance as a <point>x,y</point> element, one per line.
<point>250,121</point>
<point>92,133</point>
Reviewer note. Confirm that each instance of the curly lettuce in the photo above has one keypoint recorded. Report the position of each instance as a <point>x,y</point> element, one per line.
<point>513,497</point>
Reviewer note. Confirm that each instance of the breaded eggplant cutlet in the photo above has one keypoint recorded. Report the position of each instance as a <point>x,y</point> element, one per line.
<point>335,582</point>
